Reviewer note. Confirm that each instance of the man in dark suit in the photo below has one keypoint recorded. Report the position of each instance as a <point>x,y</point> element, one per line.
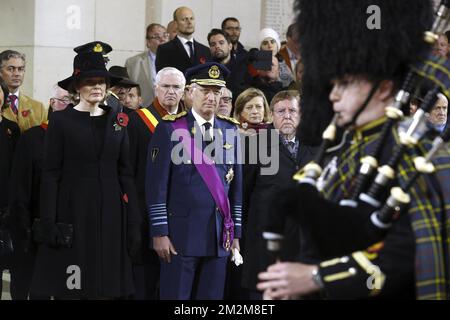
<point>182,52</point>
<point>261,189</point>
<point>195,203</point>
<point>221,46</point>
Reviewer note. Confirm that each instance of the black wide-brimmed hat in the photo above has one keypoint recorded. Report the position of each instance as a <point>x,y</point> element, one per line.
<point>122,72</point>
<point>88,65</point>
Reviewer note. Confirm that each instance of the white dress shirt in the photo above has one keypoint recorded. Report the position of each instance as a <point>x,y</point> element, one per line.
<point>186,46</point>
<point>200,121</point>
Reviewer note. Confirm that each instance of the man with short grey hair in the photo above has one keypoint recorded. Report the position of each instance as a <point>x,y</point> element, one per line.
<point>23,110</point>
<point>169,87</point>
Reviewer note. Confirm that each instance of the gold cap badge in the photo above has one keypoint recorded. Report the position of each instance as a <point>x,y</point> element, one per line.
<point>98,48</point>
<point>214,72</point>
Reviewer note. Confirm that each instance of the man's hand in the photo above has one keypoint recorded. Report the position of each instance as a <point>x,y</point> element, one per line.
<point>287,280</point>
<point>235,245</point>
<point>164,248</point>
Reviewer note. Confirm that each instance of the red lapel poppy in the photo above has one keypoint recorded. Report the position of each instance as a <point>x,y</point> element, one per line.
<point>122,119</point>
<point>25,113</point>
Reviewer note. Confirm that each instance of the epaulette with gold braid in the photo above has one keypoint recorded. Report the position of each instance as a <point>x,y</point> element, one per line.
<point>110,93</point>
<point>229,119</point>
<point>173,117</point>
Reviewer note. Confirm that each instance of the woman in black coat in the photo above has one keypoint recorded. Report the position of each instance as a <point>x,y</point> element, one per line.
<point>89,217</point>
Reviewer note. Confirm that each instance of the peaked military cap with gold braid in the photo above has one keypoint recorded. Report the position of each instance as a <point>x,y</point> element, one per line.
<point>208,74</point>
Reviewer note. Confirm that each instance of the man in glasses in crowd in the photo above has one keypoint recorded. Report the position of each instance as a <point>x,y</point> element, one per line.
<point>141,67</point>
<point>232,28</point>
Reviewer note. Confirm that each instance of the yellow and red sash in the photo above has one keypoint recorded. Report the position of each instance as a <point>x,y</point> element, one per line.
<point>44,125</point>
<point>149,119</point>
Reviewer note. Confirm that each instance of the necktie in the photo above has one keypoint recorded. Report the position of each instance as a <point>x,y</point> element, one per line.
<point>191,50</point>
<point>207,136</point>
<point>291,148</point>
<point>12,103</point>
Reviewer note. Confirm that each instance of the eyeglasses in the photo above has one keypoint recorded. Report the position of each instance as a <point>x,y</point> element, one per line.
<point>282,113</point>
<point>159,37</point>
<point>226,99</point>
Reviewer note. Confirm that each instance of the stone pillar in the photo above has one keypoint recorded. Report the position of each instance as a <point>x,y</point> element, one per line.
<point>47,31</point>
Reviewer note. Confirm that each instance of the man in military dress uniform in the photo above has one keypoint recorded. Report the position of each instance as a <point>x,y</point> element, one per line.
<point>169,90</point>
<point>411,261</point>
<point>194,204</point>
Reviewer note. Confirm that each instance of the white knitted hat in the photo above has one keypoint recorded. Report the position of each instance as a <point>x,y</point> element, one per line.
<point>269,33</point>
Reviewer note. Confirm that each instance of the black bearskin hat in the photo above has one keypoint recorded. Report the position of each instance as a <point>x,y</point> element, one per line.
<point>335,40</point>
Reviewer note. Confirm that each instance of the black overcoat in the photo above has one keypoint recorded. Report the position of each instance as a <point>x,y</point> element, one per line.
<point>260,191</point>
<point>9,134</point>
<point>93,191</point>
<point>173,54</point>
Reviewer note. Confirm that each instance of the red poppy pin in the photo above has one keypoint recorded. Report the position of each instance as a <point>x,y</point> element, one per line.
<point>202,60</point>
<point>25,113</point>
<point>76,72</point>
<point>122,121</point>
<point>125,198</point>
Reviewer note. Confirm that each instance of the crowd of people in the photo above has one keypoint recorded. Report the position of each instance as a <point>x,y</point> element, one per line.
<point>158,179</point>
